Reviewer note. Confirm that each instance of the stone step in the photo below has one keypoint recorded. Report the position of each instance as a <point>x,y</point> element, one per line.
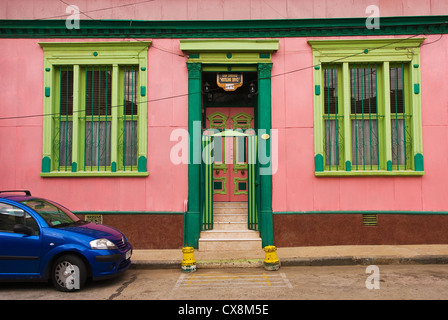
<point>230,225</point>
<point>229,234</point>
<point>229,204</point>
<point>229,244</point>
<point>230,210</point>
<point>230,217</point>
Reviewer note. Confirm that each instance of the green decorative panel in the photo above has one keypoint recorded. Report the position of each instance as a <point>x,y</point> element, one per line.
<point>318,163</point>
<point>46,164</point>
<point>418,160</point>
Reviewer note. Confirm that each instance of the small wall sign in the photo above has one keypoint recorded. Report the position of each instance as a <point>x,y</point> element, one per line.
<point>229,81</point>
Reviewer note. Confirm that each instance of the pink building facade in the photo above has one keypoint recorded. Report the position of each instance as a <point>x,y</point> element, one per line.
<point>349,102</point>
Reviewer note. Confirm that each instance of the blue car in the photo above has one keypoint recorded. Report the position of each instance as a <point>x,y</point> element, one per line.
<point>42,240</point>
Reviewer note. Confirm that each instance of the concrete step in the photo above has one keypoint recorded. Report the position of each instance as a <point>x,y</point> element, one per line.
<point>230,217</point>
<point>230,225</point>
<point>229,244</point>
<point>229,234</point>
<point>230,210</point>
<point>229,204</point>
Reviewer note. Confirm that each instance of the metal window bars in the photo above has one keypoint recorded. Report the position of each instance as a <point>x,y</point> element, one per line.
<point>64,119</point>
<point>97,112</point>
<point>364,116</point>
<point>400,118</point>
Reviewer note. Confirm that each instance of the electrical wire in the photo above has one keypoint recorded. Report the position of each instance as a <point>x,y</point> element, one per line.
<point>185,56</point>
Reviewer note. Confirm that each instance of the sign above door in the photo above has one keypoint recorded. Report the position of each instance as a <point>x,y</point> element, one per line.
<point>229,81</point>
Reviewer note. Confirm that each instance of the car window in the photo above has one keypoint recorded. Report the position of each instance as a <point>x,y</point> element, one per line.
<point>54,215</point>
<point>11,215</point>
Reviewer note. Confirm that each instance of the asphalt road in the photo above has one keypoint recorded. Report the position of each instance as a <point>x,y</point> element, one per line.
<point>392,282</point>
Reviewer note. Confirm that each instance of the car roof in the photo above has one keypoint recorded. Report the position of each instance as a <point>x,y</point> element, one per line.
<point>12,195</point>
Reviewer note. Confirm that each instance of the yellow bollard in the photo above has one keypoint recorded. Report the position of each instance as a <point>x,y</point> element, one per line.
<point>188,262</point>
<point>271,261</point>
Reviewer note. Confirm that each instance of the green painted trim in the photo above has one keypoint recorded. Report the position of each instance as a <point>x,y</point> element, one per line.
<point>228,47</point>
<point>142,164</point>
<point>362,212</point>
<point>74,167</point>
<point>46,164</point>
<point>368,173</point>
<point>224,183</point>
<point>389,165</point>
<point>78,55</point>
<point>69,174</point>
<point>318,163</point>
<point>192,219</point>
<point>47,92</point>
<point>381,52</point>
<point>416,88</point>
<point>418,162</point>
<point>222,28</point>
<point>348,166</point>
<point>264,113</point>
<point>131,212</point>
<point>228,51</point>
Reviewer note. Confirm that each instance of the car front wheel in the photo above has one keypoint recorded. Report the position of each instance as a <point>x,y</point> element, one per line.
<point>69,273</point>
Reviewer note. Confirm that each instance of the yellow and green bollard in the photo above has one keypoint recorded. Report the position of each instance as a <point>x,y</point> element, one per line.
<point>271,261</point>
<point>188,262</point>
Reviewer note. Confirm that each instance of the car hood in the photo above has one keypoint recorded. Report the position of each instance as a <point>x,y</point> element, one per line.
<point>95,231</point>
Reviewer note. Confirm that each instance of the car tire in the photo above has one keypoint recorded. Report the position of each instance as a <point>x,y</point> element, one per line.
<point>68,273</point>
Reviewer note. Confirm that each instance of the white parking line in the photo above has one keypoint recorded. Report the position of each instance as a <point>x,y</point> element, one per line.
<point>225,280</point>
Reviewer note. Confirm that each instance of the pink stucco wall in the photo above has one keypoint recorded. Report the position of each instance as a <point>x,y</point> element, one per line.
<point>217,9</point>
<point>165,189</point>
<point>295,188</point>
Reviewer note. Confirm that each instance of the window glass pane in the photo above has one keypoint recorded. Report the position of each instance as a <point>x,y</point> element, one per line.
<point>66,91</point>
<point>363,88</point>
<point>365,152</point>
<point>65,145</point>
<point>396,88</point>
<point>330,89</point>
<point>98,90</point>
<point>333,140</point>
<point>130,90</point>
<point>97,145</point>
<point>130,143</point>
<point>10,216</point>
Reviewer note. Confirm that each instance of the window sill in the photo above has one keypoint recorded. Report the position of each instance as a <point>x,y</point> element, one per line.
<point>93,174</point>
<point>368,173</point>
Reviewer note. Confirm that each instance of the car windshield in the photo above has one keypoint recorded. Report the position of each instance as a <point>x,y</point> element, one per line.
<point>53,214</point>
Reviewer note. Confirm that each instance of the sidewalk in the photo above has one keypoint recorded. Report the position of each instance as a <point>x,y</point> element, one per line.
<point>299,256</point>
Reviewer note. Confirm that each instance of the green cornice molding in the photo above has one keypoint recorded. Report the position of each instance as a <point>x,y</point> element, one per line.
<point>235,51</point>
<point>223,28</point>
<point>224,45</point>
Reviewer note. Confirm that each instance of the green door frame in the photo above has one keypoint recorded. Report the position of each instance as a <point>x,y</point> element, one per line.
<point>227,52</point>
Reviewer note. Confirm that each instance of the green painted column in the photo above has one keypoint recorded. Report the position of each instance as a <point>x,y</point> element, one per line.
<point>192,216</point>
<point>265,177</point>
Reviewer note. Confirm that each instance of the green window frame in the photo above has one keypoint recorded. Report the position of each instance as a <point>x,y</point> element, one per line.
<point>367,107</point>
<point>95,110</point>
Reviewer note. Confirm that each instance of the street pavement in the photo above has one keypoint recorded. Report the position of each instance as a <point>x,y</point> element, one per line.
<point>299,256</point>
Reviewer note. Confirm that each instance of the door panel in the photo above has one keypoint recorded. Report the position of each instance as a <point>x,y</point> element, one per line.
<point>230,175</point>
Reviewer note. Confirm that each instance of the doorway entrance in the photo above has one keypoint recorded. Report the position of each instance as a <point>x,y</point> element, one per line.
<point>229,214</point>
<point>207,57</point>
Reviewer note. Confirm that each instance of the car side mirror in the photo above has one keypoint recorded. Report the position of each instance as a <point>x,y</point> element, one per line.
<point>20,228</point>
